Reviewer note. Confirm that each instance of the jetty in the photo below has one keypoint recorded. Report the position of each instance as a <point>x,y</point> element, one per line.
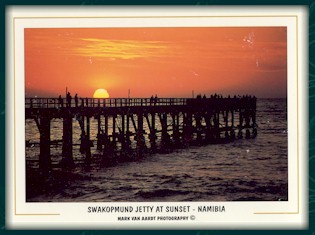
<point>133,126</point>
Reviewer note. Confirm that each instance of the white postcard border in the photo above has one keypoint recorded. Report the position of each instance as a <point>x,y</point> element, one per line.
<point>245,215</point>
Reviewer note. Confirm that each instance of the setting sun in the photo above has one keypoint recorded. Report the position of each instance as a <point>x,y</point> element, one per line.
<point>101,93</point>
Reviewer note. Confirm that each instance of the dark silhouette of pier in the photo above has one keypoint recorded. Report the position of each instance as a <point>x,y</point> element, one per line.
<point>171,123</point>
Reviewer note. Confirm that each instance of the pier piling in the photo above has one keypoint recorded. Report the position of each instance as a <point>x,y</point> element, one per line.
<point>44,155</point>
<point>67,157</point>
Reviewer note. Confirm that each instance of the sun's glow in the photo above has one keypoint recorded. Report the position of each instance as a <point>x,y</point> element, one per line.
<point>101,93</point>
<point>127,57</point>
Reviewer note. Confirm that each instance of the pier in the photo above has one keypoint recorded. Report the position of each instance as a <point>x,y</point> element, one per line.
<point>134,126</point>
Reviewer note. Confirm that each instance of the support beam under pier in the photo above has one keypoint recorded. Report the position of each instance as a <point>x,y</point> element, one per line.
<point>44,155</point>
<point>67,157</point>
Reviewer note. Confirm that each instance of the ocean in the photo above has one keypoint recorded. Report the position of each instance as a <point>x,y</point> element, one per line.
<point>243,170</point>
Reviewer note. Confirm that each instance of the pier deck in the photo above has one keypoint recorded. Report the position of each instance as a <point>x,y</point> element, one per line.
<point>171,122</point>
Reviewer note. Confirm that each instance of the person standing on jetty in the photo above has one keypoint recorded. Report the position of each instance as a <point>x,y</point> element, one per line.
<point>69,98</point>
<point>60,100</point>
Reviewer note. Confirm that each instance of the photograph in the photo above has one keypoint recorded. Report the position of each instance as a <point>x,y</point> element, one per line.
<point>156,114</point>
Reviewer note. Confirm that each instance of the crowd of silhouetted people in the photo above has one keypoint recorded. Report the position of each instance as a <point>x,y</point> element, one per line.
<point>69,100</point>
<point>219,96</point>
<point>153,100</point>
<point>217,99</point>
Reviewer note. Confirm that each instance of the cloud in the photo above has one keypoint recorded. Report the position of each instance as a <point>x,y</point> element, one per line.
<point>121,49</point>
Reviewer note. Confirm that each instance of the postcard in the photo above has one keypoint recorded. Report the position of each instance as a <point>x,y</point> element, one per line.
<point>157,118</point>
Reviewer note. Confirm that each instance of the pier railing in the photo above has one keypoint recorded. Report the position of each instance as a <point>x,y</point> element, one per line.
<point>96,103</point>
<point>138,102</point>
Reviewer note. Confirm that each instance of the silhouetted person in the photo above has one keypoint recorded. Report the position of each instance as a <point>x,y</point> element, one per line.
<point>87,102</point>
<point>76,100</point>
<point>155,99</point>
<point>60,100</point>
<point>69,98</point>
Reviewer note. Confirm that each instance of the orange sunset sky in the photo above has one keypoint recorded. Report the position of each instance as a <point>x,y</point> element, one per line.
<point>169,62</point>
